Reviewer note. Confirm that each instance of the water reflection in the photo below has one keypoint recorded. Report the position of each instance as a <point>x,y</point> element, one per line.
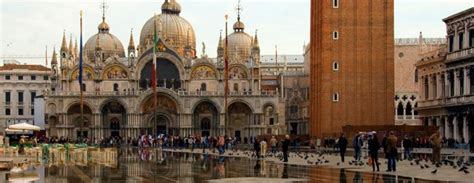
<point>153,165</point>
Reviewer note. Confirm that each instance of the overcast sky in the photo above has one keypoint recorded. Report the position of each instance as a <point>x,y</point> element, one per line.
<point>26,26</point>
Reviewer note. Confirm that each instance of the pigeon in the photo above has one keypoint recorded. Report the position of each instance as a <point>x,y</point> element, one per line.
<point>434,171</point>
<point>350,163</point>
<point>338,164</point>
<point>426,166</point>
<point>462,169</point>
<point>327,161</point>
<point>466,172</point>
<point>309,162</point>
<point>422,167</point>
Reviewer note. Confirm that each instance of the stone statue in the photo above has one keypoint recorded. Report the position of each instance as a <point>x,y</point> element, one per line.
<point>203,49</point>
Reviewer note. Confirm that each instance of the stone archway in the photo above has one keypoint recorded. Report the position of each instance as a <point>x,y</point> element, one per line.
<point>206,119</point>
<point>167,74</point>
<point>160,117</point>
<point>81,124</point>
<point>112,116</point>
<point>240,119</point>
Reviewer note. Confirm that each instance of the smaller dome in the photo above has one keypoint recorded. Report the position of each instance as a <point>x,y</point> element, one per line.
<point>239,26</point>
<point>104,27</point>
<point>171,7</point>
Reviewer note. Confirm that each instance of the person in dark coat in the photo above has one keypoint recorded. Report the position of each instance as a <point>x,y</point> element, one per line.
<point>256,147</point>
<point>285,145</point>
<point>342,143</point>
<point>374,147</point>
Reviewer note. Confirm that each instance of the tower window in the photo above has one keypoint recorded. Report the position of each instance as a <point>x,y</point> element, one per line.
<point>20,77</point>
<point>335,35</point>
<point>335,66</point>
<point>33,77</point>
<point>335,97</point>
<point>335,3</point>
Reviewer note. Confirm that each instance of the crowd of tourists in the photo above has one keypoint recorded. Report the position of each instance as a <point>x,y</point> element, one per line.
<point>389,145</point>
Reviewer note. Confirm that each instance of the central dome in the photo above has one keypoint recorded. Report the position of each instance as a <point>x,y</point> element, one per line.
<point>173,29</point>
<point>108,43</point>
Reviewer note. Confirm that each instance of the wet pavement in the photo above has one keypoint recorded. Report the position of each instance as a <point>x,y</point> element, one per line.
<point>152,165</point>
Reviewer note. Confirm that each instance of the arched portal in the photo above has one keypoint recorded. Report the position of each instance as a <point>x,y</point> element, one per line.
<point>81,125</point>
<point>240,117</point>
<point>113,115</point>
<point>160,117</point>
<point>206,119</point>
<point>167,74</point>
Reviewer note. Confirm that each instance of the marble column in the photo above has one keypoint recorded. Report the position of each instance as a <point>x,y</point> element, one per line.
<point>442,126</point>
<point>446,127</point>
<point>439,85</point>
<point>467,81</point>
<point>438,124</point>
<point>465,129</point>
<point>457,87</point>
<point>456,39</point>
<point>466,35</point>
<point>447,84</point>
<point>456,128</point>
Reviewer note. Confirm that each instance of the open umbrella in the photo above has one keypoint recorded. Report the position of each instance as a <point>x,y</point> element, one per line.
<point>12,130</point>
<point>24,126</point>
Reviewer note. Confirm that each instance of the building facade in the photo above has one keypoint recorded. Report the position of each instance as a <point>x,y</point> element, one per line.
<point>352,68</point>
<point>407,53</point>
<point>19,85</point>
<point>446,80</point>
<point>119,100</point>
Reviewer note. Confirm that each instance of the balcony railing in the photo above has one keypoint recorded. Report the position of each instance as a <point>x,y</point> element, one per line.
<point>460,54</point>
<point>450,101</point>
<point>180,93</point>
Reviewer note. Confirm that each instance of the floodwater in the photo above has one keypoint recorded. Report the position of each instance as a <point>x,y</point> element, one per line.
<point>152,165</point>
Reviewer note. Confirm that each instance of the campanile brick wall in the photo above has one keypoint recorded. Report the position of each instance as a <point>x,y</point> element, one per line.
<point>365,53</point>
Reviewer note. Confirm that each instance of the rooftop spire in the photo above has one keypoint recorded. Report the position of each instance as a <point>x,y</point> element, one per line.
<point>131,43</point>
<point>239,10</point>
<point>221,45</point>
<point>239,26</point>
<point>64,43</point>
<point>103,10</point>
<point>255,40</point>
<point>54,60</point>
<point>103,26</point>
<point>75,48</point>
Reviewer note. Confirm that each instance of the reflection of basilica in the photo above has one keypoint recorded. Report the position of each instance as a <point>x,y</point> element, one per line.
<point>117,95</point>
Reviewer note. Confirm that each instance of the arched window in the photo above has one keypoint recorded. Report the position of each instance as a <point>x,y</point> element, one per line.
<point>236,87</point>
<point>335,35</point>
<point>416,112</point>
<point>408,110</point>
<point>400,109</point>
<point>335,97</point>
<point>116,87</point>
<point>203,87</point>
<point>335,66</point>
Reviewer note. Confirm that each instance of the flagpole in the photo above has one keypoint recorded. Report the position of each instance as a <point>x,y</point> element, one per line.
<point>154,74</point>
<point>80,74</point>
<point>226,77</point>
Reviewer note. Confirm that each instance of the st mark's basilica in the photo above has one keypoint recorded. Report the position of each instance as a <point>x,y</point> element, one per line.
<point>119,101</point>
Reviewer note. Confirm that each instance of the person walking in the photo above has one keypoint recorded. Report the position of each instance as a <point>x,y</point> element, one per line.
<point>263,148</point>
<point>392,152</point>
<point>273,143</point>
<point>342,143</point>
<point>374,147</point>
<point>357,144</point>
<point>407,145</point>
<point>435,140</point>
<point>220,144</point>
<point>285,145</point>
<point>256,147</point>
